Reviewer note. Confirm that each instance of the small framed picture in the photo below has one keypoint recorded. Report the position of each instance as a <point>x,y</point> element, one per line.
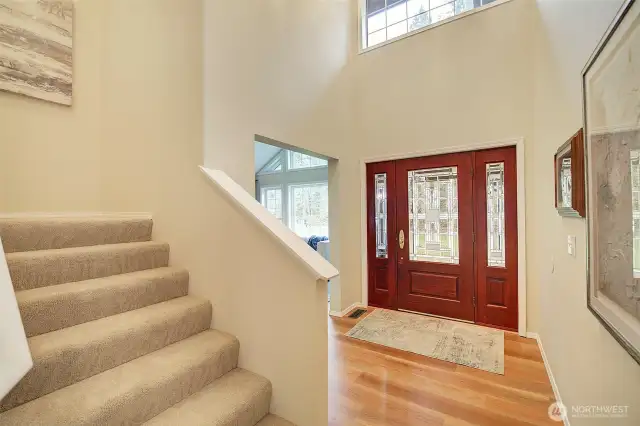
<point>569,177</point>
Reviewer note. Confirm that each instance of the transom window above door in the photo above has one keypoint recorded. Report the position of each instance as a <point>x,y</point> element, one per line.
<point>384,20</point>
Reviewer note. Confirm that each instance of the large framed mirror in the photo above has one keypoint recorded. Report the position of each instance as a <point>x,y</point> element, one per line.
<point>569,177</point>
<point>612,130</point>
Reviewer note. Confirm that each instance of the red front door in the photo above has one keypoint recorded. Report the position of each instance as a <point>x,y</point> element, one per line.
<point>442,236</point>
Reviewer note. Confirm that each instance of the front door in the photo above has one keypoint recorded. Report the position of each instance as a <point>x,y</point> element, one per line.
<point>442,235</point>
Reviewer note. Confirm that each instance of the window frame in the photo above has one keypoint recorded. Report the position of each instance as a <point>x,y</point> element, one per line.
<point>289,160</point>
<point>362,27</point>
<point>286,178</point>
<point>291,187</point>
<point>279,187</point>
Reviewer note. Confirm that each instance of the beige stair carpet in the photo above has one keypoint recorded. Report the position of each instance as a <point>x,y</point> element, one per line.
<point>114,335</point>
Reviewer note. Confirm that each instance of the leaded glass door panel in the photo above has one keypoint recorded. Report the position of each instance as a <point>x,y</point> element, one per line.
<point>434,212</point>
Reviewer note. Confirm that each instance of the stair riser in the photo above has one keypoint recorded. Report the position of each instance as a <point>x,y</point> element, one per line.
<point>58,267</point>
<point>52,371</point>
<point>67,308</point>
<point>45,234</point>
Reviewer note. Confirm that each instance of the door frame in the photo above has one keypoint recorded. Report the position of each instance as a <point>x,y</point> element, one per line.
<point>519,144</point>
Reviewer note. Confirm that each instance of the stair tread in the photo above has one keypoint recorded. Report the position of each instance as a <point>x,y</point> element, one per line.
<point>135,391</point>
<point>41,233</point>
<point>82,335</point>
<point>273,420</point>
<point>98,248</point>
<point>87,286</point>
<point>66,356</point>
<point>51,308</point>
<point>239,398</point>
<point>41,268</point>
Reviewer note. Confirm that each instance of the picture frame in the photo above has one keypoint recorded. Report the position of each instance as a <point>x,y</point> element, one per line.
<point>611,102</point>
<point>569,177</point>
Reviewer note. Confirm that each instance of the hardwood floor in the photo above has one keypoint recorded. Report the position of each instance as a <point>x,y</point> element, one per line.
<point>373,385</point>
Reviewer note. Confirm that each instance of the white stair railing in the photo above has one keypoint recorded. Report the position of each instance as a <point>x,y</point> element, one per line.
<point>15,357</point>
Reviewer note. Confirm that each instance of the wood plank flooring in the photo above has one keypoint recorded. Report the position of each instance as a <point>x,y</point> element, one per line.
<point>373,385</point>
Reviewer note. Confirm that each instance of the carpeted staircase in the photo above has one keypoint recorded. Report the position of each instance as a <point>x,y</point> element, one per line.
<point>115,337</point>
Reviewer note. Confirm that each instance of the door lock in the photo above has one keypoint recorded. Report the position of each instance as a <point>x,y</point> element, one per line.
<point>401,239</point>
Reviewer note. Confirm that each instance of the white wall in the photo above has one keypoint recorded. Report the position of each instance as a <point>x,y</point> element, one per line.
<point>590,367</point>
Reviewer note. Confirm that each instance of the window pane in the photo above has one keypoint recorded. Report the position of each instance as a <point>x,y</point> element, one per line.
<point>381,215</point>
<point>310,209</point>
<point>271,199</point>
<point>375,5</point>
<point>376,22</point>
<point>397,13</point>
<point>419,21</point>
<point>415,7</point>
<point>397,30</point>
<point>495,215</point>
<point>441,13</point>
<point>635,208</point>
<point>437,3</point>
<point>462,6</point>
<point>377,37</point>
<point>303,161</point>
<point>433,215</point>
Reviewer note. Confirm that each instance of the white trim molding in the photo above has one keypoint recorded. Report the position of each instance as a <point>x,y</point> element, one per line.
<point>344,312</point>
<point>519,143</point>
<point>317,265</point>
<point>552,379</point>
<point>16,360</point>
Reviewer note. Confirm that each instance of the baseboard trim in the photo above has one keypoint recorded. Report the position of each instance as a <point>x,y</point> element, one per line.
<point>547,366</point>
<point>344,312</point>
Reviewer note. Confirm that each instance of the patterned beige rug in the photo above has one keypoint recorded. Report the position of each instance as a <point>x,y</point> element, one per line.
<point>464,344</point>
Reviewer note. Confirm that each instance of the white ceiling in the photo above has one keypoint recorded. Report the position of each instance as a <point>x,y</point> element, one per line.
<point>264,153</point>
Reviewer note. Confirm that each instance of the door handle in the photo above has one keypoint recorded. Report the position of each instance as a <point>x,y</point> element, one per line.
<point>401,239</point>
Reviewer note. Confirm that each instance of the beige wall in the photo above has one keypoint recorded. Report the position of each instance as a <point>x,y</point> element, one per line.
<point>462,83</point>
<point>152,144</point>
<point>280,69</point>
<point>145,97</point>
<point>132,142</point>
<point>590,367</point>
<point>49,153</point>
<point>290,71</point>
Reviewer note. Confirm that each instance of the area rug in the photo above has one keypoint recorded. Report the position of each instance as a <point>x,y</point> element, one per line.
<point>464,344</point>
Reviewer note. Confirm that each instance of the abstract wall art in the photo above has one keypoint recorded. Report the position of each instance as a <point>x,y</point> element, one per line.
<point>611,88</point>
<point>36,48</point>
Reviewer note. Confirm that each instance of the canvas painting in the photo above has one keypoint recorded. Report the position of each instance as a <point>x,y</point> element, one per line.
<point>611,86</point>
<point>36,48</point>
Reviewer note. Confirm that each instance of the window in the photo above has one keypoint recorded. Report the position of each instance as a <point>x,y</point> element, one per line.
<point>387,19</point>
<point>271,199</point>
<point>303,161</point>
<point>294,187</point>
<point>309,205</point>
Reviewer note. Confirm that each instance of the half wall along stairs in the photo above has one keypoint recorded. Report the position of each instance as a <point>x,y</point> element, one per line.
<point>115,337</point>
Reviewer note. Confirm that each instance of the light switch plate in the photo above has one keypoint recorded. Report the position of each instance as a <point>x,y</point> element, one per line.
<point>571,245</point>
